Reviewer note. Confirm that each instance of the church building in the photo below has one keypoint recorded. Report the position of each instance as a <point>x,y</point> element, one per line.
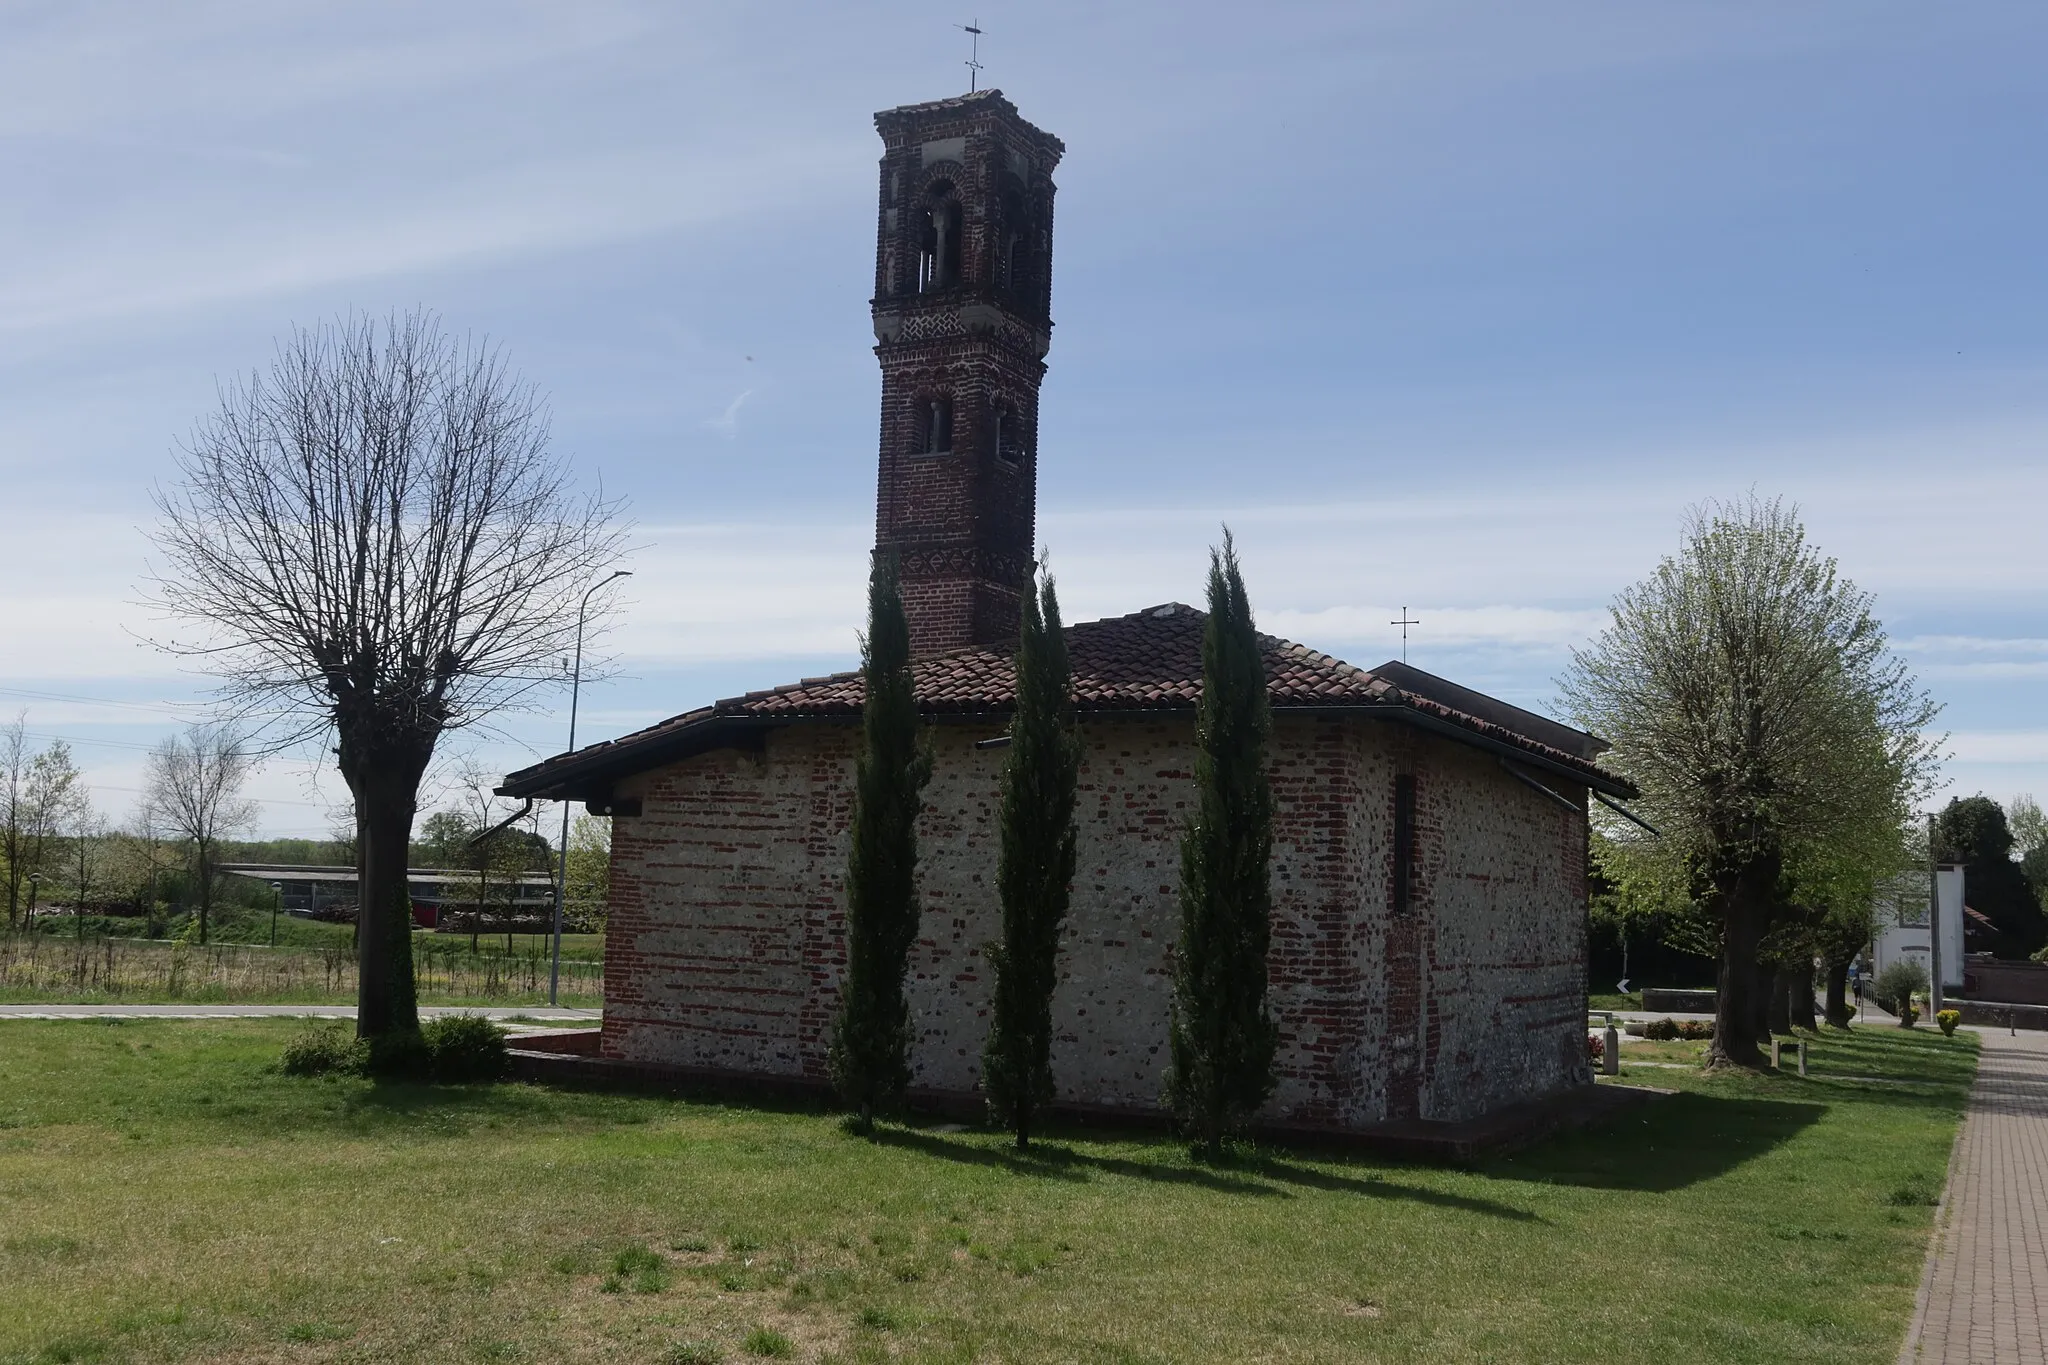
<point>1428,956</point>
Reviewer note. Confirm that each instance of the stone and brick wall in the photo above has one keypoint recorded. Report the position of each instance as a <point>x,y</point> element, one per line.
<point>724,944</point>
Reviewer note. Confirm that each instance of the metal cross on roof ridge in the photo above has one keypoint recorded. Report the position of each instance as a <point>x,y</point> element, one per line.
<point>1404,623</point>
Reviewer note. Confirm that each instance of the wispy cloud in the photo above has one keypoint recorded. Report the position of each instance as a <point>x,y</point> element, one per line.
<point>124,269</point>
<point>728,422</point>
<point>1999,746</point>
<point>1498,626</point>
<point>80,68</point>
<point>1972,644</point>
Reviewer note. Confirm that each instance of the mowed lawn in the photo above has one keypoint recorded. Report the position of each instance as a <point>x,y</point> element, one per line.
<point>167,1194</point>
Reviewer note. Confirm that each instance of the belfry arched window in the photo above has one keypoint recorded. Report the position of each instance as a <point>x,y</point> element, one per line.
<point>1009,235</point>
<point>938,247</point>
<point>1008,436</point>
<point>934,425</point>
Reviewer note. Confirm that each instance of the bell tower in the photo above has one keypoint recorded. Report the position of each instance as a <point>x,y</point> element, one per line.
<point>962,310</point>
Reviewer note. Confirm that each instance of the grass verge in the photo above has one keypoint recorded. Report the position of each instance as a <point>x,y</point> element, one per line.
<point>169,1195</point>
<point>43,968</point>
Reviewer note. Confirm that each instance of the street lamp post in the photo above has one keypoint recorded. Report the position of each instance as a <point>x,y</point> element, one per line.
<point>562,879</point>
<point>276,904</point>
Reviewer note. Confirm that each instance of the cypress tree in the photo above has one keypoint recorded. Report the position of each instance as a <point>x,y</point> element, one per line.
<point>1223,1035</point>
<point>1035,870</point>
<point>870,1053</point>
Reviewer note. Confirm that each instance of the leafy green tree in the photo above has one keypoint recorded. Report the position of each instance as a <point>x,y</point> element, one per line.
<point>1035,871</point>
<point>587,902</point>
<point>1972,830</point>
<point>870,1053</point>
<point>49,796</point>
<point>443,840</point>
<point>1223,1037</point>
<point>1751,695</point>
<point>2030,844</point>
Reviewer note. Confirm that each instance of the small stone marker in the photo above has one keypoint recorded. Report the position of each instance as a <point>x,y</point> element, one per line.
<point>1610,1054</point>
<point>1777,1046</point>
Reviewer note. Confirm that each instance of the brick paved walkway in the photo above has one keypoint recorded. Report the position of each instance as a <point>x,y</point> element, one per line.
<point>1985,1293</point>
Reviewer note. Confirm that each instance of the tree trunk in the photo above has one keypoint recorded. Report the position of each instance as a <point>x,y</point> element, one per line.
<point>1735,1003</point>
<point>205,892</point>
<point>1800,1005</point>
<point>1780,998</point>
<point>384,779</point>
<point>1839,1011</point>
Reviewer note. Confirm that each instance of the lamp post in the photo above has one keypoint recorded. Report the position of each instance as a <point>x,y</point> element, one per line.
<point>276,904</point>
<point>575,690</point>
<point>1933,924</point>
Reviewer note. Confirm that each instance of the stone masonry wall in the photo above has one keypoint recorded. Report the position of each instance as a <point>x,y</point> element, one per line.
<point>724,950</point>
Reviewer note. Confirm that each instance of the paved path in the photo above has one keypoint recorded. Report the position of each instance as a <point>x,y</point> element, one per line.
<point>535,1012</point>
<point>1984,1296</point>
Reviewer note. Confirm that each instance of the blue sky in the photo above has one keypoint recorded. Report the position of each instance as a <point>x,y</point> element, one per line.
<point>1451,305</point>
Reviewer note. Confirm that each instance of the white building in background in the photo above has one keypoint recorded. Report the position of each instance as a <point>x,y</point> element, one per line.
<point>1902,925</point>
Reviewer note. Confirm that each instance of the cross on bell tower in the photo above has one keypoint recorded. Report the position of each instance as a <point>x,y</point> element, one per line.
<point>962,313</point>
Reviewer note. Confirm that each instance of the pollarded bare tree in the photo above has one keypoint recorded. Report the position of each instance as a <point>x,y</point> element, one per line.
<point>192,789</point>
<point>379,541</point>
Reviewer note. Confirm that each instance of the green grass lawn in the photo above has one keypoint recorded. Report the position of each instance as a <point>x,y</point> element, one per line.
<point>165,1193</point>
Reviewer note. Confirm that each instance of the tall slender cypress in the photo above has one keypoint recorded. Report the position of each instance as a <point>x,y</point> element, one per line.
<point>870,1054</point>
<point>1223,1034</point>
<point>1035,871</point>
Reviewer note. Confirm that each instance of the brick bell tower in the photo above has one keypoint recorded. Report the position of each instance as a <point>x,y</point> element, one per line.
<point>962,310</point>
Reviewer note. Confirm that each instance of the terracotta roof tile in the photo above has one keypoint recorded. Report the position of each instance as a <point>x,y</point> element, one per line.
<point>1149,660</point>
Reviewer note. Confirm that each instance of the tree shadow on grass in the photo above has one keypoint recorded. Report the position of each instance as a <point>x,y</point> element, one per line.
<point>1677,1141</point>
<point>1261,1177</point>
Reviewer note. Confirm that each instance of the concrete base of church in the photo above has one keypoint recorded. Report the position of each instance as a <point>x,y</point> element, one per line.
<point>1505,1129</point>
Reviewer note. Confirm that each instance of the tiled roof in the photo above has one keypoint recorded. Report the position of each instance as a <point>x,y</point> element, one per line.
<point>1149,660</point>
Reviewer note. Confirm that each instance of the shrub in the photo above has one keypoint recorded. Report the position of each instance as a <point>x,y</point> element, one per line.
<point>1661,1030</point>
<point>1948,1019</point>
<point>1596,1046</point>
<point>398,1056</point>
<point>326,1050</point>
<point>1695,1028</point>
<point>1897,984</point>
<point>465,1047</point>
